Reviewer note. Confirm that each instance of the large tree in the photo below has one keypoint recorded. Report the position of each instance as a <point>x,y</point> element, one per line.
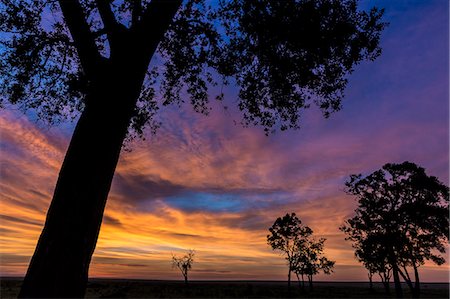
<point>114,63</point>
<point>401,221</point>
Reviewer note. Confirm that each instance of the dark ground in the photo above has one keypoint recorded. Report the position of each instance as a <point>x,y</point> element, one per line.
<point>115,288</point>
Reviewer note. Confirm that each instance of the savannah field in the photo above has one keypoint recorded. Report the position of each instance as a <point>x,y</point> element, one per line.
<point>123,288</point>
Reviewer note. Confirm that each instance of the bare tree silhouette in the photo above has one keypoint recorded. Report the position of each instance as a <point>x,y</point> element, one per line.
<point>62,58</point>
<point>184,263</point>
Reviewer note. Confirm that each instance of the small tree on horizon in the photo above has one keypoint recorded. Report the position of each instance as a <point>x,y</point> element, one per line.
<point>284,236</point>
<point>184,263</point>
<point>309,260</point>
<point>303,254</point>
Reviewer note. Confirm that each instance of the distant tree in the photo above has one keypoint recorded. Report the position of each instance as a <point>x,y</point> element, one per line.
<point>309,259</point>
<point>184,263</point>
<point>304,255</point>
<point>91,58</point>
<point>285,235</point>
<point>402,219</point>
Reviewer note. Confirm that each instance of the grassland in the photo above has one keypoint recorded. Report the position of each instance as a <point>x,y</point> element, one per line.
<point>116,288</point>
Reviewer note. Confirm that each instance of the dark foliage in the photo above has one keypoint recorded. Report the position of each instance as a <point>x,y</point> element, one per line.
<point>284,236</point>
<point>402,220</point>
<point>284,56</point>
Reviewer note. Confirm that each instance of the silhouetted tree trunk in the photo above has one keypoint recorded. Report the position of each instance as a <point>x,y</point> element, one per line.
<point>289,277</point>
<point>397,284</point>
<point>387,287</point>
<point>417,282</point>
<point>301,283</point>
<point>59,267</point>
<point>408,281</point>
<point>60,264</point>
<point>310,280</point>
<point>185,280</point>
<point>370,275</point>
<point>386,284</point>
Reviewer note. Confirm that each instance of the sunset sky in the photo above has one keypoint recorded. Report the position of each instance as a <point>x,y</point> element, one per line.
<point>207,184</point>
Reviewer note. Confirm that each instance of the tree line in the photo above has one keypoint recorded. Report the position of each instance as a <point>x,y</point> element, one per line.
<point>402,220</point>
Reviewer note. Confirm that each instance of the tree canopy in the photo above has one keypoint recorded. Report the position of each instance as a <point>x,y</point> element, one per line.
<point>401,221</point>
<point>285,233</point>
<point>283,55</point>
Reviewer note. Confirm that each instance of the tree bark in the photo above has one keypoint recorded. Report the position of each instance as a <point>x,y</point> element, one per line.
<point>60,264</point>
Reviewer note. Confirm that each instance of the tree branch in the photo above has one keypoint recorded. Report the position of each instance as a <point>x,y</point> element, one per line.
<point>104,8</point>
<point>154,23</point>
<point>83,39</point>
<point>112,27</point>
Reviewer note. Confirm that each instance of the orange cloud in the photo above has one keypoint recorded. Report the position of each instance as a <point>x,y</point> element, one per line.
<point>217,194</point>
